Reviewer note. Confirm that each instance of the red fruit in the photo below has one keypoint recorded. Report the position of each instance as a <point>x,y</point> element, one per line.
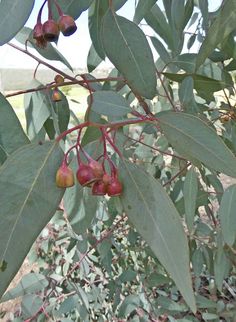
<point>38,36</point>
<point>115,187</point>
<point>85,175</point>
<point>97,168</point>
<point>51,30</point>
<point>106,179</point>
<point>64,177</point>
<point>56,95</point>
<point>67,25</point>
<point>38,31</point>
<point>99,188</point>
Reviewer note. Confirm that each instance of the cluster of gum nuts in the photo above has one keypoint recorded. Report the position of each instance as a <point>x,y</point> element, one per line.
<point>91,174</point>
<point>49,31</point>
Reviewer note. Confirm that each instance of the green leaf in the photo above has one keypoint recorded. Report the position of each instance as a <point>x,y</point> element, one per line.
<point>28,201</point>
<point>227,215</point>
<point>205,303</point>
<point>130,304</point>
<point>110,103</point>
<point>156,219</point>
<point>30,283</point>
<point>63,112</point>
<point>142,8</point>
<point>13,16</point>
<point>223,25</point>
<point>96,13</point>
<point>190,196</point>
<point>186,92</point>
<point>188,10</point>
<point>203,6</point>
<point>68,305</point>
<point>161,50</point>
<point>36,110</point>
<point>73,8</point>
<point>126,46</point>
<point>93,60</point>
<point>157,21</point>
<point>201,83</point>
<point>91,134</point>
<point>221,264</point>
<point>12,135</point>
<point>50,52</point>
<point>30,305</point>
<point>193,138</point>
<point>3,155</point>
<point>177,14</point>
<point>210,316</point>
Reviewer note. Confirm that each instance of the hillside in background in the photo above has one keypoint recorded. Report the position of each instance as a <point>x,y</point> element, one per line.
<point>18,79</point>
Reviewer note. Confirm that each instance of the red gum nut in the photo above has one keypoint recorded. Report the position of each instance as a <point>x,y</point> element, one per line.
<point>38,31</point>
<point>106,179</point>
<point>67,25</point>
<point>96,168</point>
<point>56,95</point>
<point>99,188</point>
<point>115,188</point>
<point>85,175</point>
<point>51,30</point>
<point>64,177</point>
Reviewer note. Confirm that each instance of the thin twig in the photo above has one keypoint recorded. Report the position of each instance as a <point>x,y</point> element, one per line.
<point>177,174</point>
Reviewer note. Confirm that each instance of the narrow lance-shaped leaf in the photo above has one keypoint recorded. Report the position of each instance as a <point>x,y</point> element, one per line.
<point>222,264</point>
<point>96,12</point>
<point>93,60</point>
<point>126,46</point>
<point>194,139</point>
<point>227,215</point>
<point>36,110</point>
<point>28,201</point>
<point>156,219</point>
<point>223,25</point>
<point>142,8</point>
<point>12,135</point>
<point>157,21</point>
<point>190,197</point>
<point>13,16</point>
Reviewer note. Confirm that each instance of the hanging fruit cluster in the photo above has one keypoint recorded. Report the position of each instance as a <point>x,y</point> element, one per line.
<point>91,173</point>
<point>49,30</point>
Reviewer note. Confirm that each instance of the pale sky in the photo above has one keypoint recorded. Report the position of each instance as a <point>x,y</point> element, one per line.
<point>75,48</point>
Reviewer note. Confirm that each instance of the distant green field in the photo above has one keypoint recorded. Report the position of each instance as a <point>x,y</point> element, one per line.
<point>74,95</point>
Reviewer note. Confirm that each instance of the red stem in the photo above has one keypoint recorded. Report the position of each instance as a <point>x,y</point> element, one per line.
<point>60,12</point>
<point>40,12</point>
<point>49,10</point>
<point>108,125</point>
<point>113,145</point>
